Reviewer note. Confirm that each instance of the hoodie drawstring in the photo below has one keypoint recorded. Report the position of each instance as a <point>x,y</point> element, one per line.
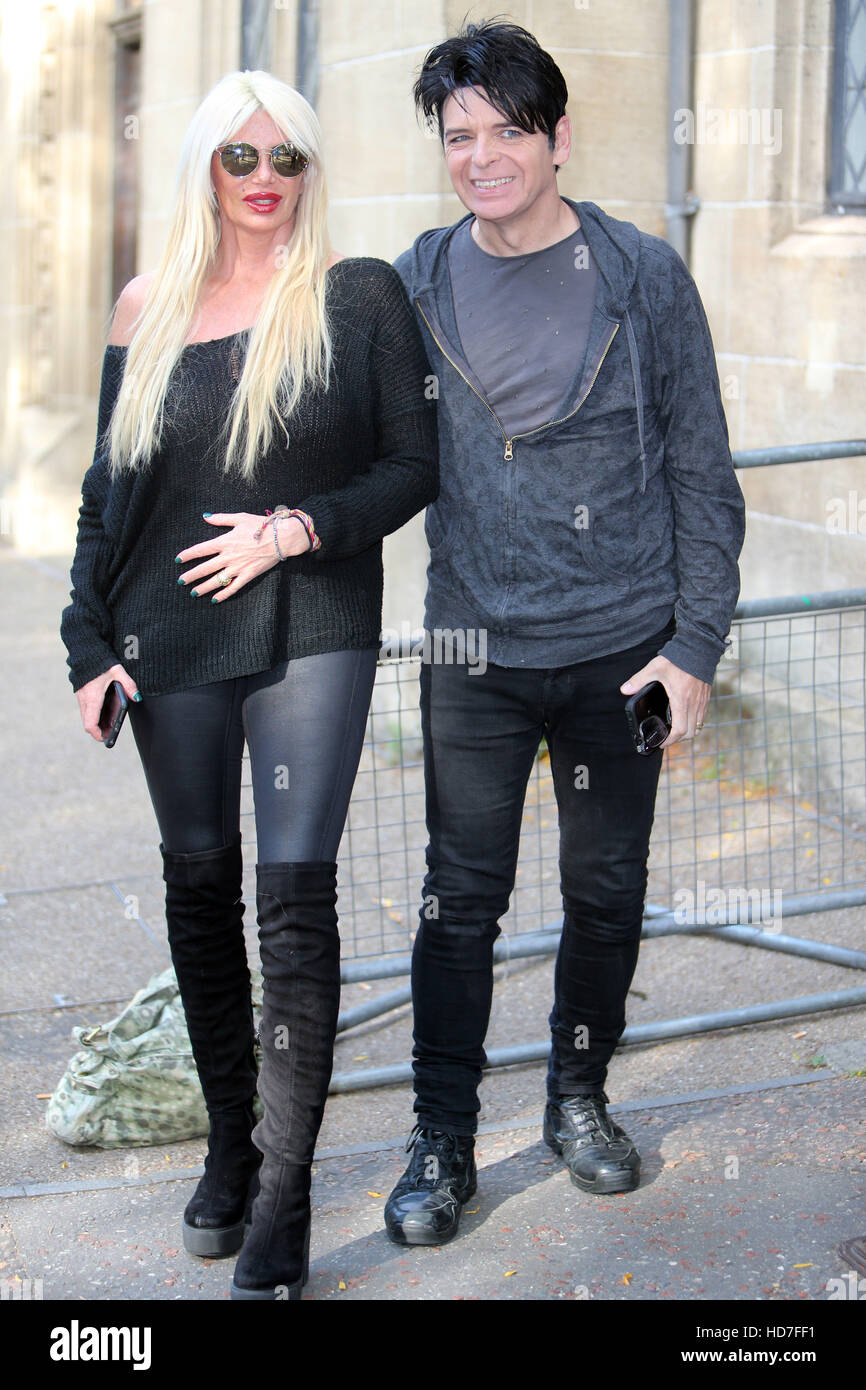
<point>638,394</point>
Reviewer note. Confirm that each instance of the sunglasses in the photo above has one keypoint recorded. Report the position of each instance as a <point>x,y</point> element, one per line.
<point>653,732</point>
<point>241,159</point>
<point>648,714</point>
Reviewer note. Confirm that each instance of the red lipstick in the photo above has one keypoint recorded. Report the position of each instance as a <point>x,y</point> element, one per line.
<point>263,202</point>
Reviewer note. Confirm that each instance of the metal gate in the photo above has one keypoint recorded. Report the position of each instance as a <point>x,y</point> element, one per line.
<point>760,821</point>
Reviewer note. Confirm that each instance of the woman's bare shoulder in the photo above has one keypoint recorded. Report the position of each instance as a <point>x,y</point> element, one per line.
<point>128,308</point>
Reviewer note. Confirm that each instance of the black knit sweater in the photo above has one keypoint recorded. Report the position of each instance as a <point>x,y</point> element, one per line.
<point>360,459</point>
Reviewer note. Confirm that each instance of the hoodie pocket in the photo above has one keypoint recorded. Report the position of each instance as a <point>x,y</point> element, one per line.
<point>631,528</point>
<point>595,561</point>
<point>556,572</point>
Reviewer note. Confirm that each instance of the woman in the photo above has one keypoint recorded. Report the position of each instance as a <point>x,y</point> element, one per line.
<point>262,424</point>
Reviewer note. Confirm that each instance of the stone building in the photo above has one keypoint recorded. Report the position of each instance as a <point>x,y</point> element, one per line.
<point>736,127</point>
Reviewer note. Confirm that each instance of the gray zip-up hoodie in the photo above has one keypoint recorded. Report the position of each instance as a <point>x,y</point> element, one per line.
<point>581,538</point>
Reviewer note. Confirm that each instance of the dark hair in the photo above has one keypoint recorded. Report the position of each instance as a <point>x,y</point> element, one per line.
<point>508,64</point>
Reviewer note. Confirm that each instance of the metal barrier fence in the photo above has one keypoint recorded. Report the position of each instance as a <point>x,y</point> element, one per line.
<point>761,820</point>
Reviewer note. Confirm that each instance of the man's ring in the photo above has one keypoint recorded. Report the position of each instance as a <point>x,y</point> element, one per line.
<point>223,578</point>
<point>698,727</point>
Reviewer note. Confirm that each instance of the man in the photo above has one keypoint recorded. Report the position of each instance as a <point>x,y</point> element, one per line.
<point>588,523</point>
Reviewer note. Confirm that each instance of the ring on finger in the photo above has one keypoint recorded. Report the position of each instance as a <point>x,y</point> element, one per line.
<point>223,578</point>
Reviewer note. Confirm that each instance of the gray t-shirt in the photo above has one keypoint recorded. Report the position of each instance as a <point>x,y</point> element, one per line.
<point>523,323</point>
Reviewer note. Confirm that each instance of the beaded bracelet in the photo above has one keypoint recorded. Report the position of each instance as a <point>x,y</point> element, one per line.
<point>279,554</point>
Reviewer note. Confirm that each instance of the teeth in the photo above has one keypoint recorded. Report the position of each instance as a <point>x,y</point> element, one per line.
<point>490,183</point>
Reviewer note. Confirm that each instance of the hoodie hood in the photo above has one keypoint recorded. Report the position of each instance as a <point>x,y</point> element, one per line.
<point>614,245</point>
<point>615,248</point>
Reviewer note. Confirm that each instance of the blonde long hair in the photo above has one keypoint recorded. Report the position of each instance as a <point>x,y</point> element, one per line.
<point>289,348</point>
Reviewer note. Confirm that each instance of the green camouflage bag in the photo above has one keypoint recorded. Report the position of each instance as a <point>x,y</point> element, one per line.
<point>134,1081</point>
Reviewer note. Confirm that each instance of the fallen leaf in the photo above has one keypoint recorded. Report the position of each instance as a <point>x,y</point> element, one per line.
<point>470,1211</point>
<point>375,1194</point>
<point>509,1272</point>
<point>808,1265</point>
<point>341,1284</point>
<point>627,1278</point>
<point>43,1095</point>
<point>361,1057</point>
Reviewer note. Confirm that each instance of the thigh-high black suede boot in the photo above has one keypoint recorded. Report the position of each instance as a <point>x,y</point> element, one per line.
<point>300,955</point>
<point>204,913</point>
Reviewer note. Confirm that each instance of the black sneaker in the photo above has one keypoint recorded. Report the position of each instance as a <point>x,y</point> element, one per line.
<point>425,1206</point>
<point>598,1154</point>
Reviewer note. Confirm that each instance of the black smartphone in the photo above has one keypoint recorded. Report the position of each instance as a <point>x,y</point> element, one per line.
<point>649,716</point>
<point>113,713</point>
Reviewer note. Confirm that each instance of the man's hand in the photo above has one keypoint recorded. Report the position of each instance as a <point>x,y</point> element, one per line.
<point>688,696</point>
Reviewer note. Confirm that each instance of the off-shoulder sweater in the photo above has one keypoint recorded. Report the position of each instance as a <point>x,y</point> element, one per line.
<point>360,459</point>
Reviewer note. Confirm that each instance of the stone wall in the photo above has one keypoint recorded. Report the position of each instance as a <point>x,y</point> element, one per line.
<point>782,279</point>
<point>778,271</point>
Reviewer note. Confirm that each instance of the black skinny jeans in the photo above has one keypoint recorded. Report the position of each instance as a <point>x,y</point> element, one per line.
<point>304,724</point>
<point>481,736</point>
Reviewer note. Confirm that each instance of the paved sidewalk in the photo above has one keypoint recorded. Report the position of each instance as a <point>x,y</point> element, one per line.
<point>743,1197</point>
<point>753,1142</point>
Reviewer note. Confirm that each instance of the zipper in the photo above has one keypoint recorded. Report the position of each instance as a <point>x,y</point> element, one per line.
<point>551,423</point>
<point>509,451</point>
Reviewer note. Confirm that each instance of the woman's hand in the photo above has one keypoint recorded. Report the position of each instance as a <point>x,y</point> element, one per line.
<point>236,555</point>
<point>91,697</point>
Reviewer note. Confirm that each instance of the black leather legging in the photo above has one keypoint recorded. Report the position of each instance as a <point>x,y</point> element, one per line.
<point>303,723</point>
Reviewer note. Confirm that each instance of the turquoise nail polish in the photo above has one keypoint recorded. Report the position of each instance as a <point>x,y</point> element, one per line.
<point>193,593</point>
<point>214,599</point>
<point>137,698</point>
<point>206,515</point>
<point>178,560</point>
